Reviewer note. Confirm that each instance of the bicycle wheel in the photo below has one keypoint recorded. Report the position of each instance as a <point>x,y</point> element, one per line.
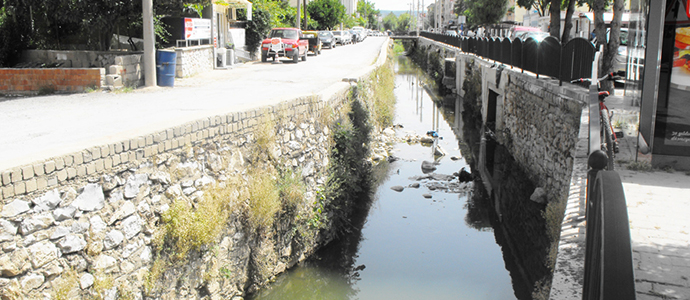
<point>607,137</point>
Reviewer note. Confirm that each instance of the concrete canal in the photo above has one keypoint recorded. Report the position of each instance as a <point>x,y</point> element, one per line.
<point>439,237</point>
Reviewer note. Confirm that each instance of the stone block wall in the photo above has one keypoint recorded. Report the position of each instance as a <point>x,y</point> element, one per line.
<point>194,60</point>
<point>542,121</point>
<point>88,217</point>
<point>131,69</point>
<point>33,81</point>
<point>75,58</point>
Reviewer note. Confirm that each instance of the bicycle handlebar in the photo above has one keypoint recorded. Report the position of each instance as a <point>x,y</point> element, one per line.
<point>609,76</point>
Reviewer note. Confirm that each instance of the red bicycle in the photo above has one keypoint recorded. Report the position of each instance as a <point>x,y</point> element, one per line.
<point>608,137</point>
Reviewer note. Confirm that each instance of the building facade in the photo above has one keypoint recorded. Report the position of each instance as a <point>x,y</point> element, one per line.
<point>658,80</point>
<point>350,6</point>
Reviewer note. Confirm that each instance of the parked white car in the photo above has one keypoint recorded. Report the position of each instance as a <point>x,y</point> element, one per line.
<point>342,37</point>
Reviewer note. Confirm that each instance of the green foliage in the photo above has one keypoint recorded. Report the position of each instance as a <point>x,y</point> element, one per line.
<point>390,22</point>
<point>368,12</point>
<point>327,13</point>
<point>541,6</point>
<point>459,7</point>
<point>405,23</point>
<point>264,198</point>
<point>480,12</point>
<point>186,228</point>
<point>383,97</point>
<point>266,14</point>
<point>291,188</point>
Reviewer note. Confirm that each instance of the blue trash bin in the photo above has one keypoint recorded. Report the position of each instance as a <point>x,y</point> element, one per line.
<point>165,67</point>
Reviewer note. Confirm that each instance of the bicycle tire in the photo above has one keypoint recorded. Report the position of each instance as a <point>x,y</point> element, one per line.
<point>607,138</point>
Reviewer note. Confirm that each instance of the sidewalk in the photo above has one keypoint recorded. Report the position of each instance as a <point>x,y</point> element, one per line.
<point>658,211</point>
<point>659,215</point>
<point>38,128</point>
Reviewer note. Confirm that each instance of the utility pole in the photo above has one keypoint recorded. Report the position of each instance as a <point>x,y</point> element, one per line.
<point>149,44</point>
<point>299,14</point>
<point>306,20</point>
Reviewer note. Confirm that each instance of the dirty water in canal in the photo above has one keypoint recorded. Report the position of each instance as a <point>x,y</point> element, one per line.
<point>427,242</point>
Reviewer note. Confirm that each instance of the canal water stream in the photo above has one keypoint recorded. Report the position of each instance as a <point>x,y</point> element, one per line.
<point>406,245</point>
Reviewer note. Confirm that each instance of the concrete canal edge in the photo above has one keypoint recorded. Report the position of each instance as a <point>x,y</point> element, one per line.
<point>89,223</point>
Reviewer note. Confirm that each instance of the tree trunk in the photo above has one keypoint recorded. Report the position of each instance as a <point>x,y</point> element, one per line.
<point>555,10</point>
<point>611,48</point>
<point>568,21</point>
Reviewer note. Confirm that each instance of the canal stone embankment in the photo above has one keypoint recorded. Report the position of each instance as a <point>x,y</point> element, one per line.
<point>537,121</point>
<point>189,212</point>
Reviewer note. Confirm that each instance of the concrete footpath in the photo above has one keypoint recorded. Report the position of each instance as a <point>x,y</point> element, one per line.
<point>658,210</point>
<point>38,128</point>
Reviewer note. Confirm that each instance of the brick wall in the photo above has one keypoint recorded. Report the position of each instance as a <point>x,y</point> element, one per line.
<point>31,81</point>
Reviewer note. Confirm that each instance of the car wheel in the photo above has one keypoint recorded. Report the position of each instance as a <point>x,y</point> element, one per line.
<point>295,58</point>
<point>263,57</point>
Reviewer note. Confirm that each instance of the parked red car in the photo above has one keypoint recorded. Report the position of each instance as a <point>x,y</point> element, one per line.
<point>284,42</point>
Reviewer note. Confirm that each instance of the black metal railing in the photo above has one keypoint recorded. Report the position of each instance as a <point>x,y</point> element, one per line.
<point>608,254</point>
<point>546,57</point>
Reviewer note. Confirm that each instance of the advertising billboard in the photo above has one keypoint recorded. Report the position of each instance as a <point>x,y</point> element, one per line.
<point>197,29</point>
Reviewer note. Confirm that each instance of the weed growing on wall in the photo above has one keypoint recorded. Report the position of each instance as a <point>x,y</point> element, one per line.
<point>349,174</point>
<point>383,99</point>
<point>186,228</point>
<point>264,198</point>
<point>66,287</point>
<point>291,187</point>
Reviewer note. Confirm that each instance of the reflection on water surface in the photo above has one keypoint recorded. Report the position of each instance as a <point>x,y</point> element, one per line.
<point>406,246</point>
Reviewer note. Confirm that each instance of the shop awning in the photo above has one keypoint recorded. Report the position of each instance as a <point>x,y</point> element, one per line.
<point>238,4</point>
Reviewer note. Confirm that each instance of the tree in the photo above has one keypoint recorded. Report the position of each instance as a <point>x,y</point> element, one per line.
<point>390,21</point>
<point>610,46</point>
<point>568,20</point>
<point>541,6</point>
<point>405,23</point>
<point>480,12</point>
<point>327,13</point>
<point>459,7</point>
<point>555,11</point>
<point>368,11</point>
<point>266,14</point>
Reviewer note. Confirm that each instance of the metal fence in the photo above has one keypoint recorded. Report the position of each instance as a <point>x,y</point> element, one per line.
<point>546,57</point>
<point>608,255</point>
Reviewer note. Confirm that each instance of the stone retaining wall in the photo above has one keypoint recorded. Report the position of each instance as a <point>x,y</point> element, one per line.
<point>537,119</point>
<point>91,217</point>
<point>194,60</point>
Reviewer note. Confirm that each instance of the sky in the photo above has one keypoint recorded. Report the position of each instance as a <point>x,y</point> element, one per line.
<point>393,4</point>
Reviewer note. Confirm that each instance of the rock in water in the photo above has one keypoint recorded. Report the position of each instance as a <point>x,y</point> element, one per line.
<point>428,196</point>
<point>426,140</point>
<point>428,166</point>
<point>397,188</point>
<point>539,195</point>
<point>438,151</point>
<point>464,176</point>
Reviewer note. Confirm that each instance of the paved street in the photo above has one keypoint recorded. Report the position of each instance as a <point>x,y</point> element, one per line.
<point>37,128</point>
